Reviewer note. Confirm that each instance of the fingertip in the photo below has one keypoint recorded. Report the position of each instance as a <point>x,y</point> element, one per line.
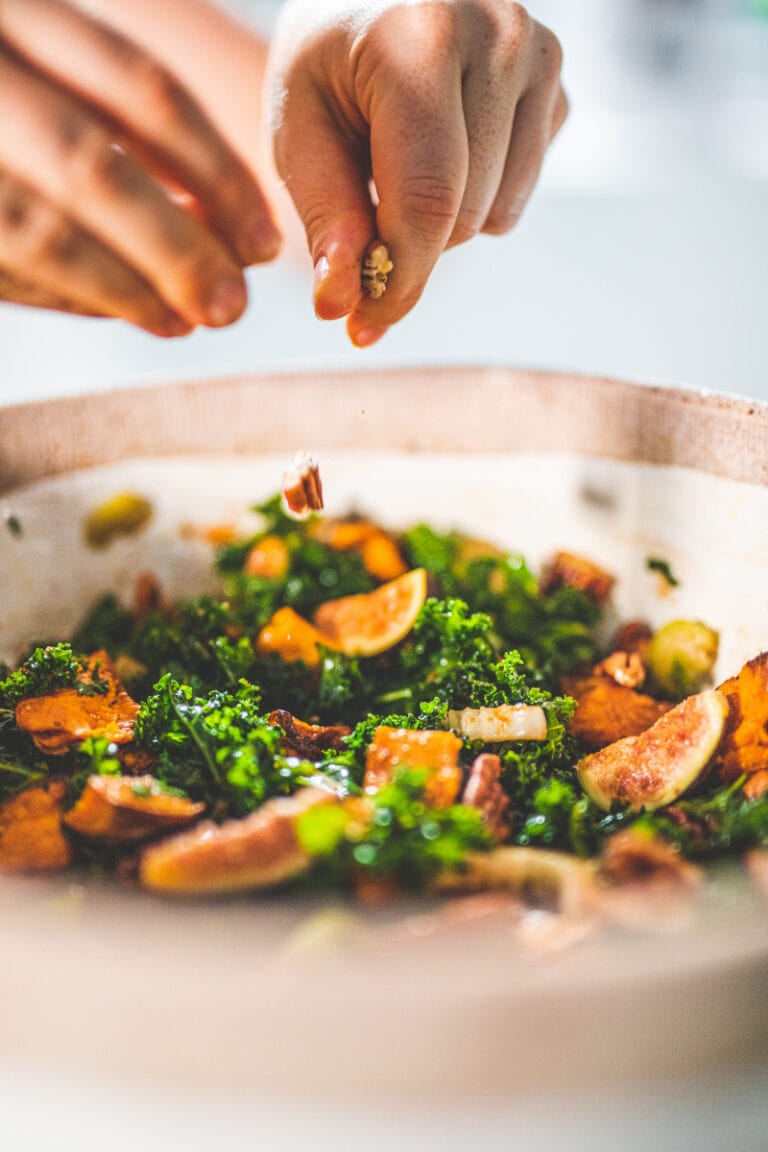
<point>336,288</point>
<point>364,337</point>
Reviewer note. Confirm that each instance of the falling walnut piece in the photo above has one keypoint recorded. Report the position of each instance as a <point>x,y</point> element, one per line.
<point>376,269</point>
<point>302,487</point>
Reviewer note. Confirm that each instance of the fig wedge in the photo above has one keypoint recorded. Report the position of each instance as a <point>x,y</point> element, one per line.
<point>372,622</point>
<point>653,769</point>
<point>259,851</point>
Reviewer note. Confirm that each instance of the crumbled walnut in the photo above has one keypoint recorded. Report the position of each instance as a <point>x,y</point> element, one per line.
<point>483,790</point>
<point>376,269</point>
<point>302,486</point>
<point>626,668</point>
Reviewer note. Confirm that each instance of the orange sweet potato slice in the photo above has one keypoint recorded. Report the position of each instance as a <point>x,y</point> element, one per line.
<point>292,637</point>
<point>124,809</point>
<point>66,716</point>
<point>608,711</point>
<point>393,748</point>
<point>31,837</point>
<point>745,744</point>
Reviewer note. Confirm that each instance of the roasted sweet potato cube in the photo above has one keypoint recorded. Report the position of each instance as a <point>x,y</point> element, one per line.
<point>608,711</point>
<point>31,837</point>
<point>745,744</point>
<point>268,559</point>
<point>393,748</point>
<point>124,809</point>
<point>67,716</point>
<point>292,637</point>
<point>381,557</point>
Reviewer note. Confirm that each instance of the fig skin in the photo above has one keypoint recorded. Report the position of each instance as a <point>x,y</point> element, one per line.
<point>654,769</point>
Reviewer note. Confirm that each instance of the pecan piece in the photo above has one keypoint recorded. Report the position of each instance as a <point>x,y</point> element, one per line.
<point>633,857</point>
<point>483,790</point>
<point>302,486</point>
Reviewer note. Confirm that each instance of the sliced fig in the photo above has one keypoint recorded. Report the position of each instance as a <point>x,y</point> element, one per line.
<point>655,768</point>
<point>259,851</point>
<point>372,622</point>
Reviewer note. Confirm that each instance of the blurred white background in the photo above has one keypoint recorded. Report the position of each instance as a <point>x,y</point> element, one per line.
<point>644,253</point>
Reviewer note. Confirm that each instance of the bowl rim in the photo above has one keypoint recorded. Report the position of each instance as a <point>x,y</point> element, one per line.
<point>411,409</point>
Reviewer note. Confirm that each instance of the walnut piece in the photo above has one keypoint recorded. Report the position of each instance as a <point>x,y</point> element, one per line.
<point>483,790</point>
<point>376,269</point>
<point>302,487</point>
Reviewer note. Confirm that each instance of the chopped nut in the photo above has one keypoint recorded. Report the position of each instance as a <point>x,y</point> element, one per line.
<point>483,790</point>
<point>302,487</point>
<point>376,268</point>
<point>626,668</point>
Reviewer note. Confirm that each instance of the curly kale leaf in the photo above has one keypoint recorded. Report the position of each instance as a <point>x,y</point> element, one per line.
<point>394,835</point>
<point>217,748</point>
<point>198,642</point>
<point>45,670</point>
<point>713,825</point>
<point>554,633</point>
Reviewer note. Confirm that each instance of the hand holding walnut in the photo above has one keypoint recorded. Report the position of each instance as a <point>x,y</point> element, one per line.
<point>446,107</point>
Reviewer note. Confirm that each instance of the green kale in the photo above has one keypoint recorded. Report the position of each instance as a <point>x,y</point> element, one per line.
<point>216,748</point>
<point>199,642</point>
<point>438,552</point>
<point>94,756</point>
<point>399,838</point>
<point>45,670</point>
<point>715,824</point>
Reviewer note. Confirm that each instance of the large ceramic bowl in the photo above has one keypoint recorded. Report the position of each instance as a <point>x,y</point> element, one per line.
<point>264,1000</point>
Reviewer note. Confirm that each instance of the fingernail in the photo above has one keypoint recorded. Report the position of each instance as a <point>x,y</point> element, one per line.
<point>226,302</point>
<point>367,336</point>
<point>328,304</point>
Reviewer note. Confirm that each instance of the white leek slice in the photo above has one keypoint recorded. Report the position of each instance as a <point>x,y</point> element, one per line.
<point>507,722</point>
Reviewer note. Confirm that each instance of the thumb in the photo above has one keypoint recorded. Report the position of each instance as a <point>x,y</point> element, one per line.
<point>325,173</point>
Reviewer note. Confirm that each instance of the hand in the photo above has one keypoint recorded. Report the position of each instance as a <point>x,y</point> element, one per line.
<point>448,106</point>
<point>93,134</point>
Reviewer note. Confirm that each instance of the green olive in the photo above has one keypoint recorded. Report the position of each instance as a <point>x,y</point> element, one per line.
<point>119,516</point>
<point>681,657</point>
